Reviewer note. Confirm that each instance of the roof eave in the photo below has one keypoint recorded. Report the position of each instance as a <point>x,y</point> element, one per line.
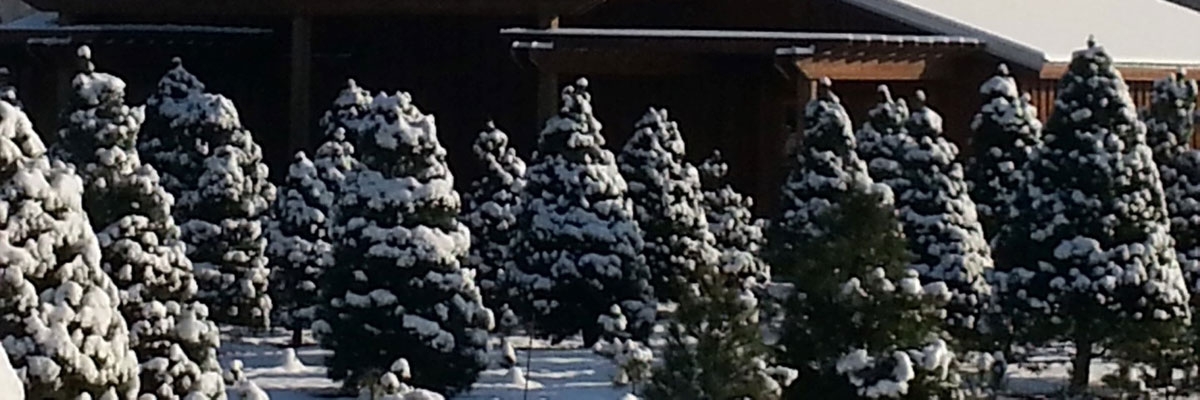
<point>317,7</point>
<point>1011,51</point>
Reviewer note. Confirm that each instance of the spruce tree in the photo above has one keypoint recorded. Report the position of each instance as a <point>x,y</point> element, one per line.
<point>714,349</point>
<point>1006,130</point>
<point>1169,123</point>
<point>860,324</point>
<point>139,241</point>
<point>349,113</point>
<point>397,288</point>
<point>881,141</point>
<point>169,139</point>
<point>579,246</point>
<point>210,162</point>
<point>334,159</point>
<point>492,205</point>
<point>944,236</point>
<point>668,205</point>
<point>739,236</point>
<point>299,245</point>
<point>59,317</point>
<point>1097,263</point>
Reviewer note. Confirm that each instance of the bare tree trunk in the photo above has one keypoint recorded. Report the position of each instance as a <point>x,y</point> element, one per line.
<point>1081,370</point>
<point>297,337</point>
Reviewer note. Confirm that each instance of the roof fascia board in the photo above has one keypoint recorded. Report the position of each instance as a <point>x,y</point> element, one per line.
<point>1000,46</point>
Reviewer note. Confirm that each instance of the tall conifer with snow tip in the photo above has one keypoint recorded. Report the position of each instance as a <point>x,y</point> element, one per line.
<point>940,222</point>
<point>350,111</point>
<point>139,241</point>
<point>299,246</point>
<point>59,317</point>
<point>1006,131</point>
<point>1169,123</point>
<point>859,324</point>
<point>667,202</point>
<point>491,212</point>
<point>739,236</point>
<point>397,289</point>
<point>881,140</point>
<point>334,159</point>
<point>169,140</point>
<point>1099,261</point>
<point>223,216</point>
<point>579,245</point>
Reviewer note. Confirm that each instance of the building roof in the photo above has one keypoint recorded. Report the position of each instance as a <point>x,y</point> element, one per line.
<point>45,28</point>
<point>205,8</point>
<point>1033,33</point>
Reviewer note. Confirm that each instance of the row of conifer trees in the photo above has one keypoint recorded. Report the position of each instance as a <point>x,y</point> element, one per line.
<point>890,262</point>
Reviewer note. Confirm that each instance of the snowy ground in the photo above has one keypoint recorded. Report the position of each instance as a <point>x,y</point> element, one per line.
<point>562,371</point>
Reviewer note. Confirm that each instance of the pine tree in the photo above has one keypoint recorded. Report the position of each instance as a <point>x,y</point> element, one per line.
<point>739,236</point>
<point>667,202</point>
<point>397,289</point>
<point>579,246</point>
<point>1169,123</point>
<point>714,349</point>
<point>299,245</point>
<point>169,139</point>
<point>334,159</point>
<point>139,241</point>
<point>59,317</point>
<point>491,214</point>
<point>859,324</point>
<point>1097,263</point>
<point>944,236</point>
<point>1006,130</point>
<point>881,140</point>
<point>210,162</point>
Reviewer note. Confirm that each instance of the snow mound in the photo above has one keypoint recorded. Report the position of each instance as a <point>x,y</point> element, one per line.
<point>11,387</point>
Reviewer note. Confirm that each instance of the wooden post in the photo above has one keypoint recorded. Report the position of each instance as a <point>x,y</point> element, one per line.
<point>301,81</point>
<point>547,82</point>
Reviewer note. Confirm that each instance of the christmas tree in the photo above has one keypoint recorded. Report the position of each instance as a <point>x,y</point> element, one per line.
<point>170,139</point>
<point>334,159</point>
<point>1006,131</point>
<point>350,111</point>
<point>1096,260</point>
<point>491,214</point>
<point>397,289</point>
<point>859,324</point>
<point>713,347</point>
<point>739,235</point>
<point>59,316</point>
<point>579,246</point>
<point>139,241</point>
<point>667,202</point>
<point>881,140</point>
<point>300,248</point>
<point>939,220</point>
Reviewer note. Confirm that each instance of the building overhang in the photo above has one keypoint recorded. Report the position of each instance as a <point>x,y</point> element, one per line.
<point>852,56</point>
<point>45,29</point>
<point>194,8</point>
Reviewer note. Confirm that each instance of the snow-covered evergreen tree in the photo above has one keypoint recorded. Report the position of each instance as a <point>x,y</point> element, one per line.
<point>349,113</point>
<point>11,387</point>
<point>739,235</point>
<point>714,349</point>
<point>139,241</point>
<point>1097,263</point>
<point>579,246</point>
<point>859,324</point>
<point>299,245</point>
<point>397,289</point>
<point>169,139</point>
<point>492,205</point>
<point>341,124</point>
<point>59,317</point>
<point>1006,130</point>
<point>881,140</point>
<point>1169,123</point>
<point>667,202</point>
<point>944,236</point>
<point>210,162</point>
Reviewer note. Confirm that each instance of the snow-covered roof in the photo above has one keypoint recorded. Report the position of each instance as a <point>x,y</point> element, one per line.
<point>1034,32</point>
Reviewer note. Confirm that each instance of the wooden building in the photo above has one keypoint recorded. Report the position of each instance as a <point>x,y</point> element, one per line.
<point>735,74</point>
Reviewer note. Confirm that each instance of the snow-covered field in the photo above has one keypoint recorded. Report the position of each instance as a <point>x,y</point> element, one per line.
<point>562,371</point>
